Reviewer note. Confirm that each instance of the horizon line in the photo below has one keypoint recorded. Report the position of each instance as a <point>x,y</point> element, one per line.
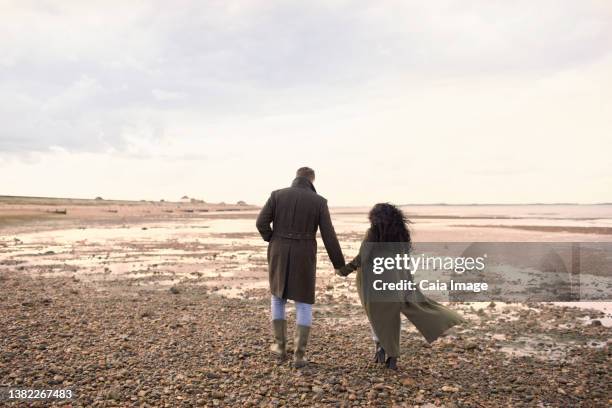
<point>345,206</point>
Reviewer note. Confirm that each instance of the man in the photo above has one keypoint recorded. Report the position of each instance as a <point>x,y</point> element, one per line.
<point>295,212</point>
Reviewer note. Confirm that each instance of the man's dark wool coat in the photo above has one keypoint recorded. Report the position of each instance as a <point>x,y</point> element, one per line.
<point>295,213</point>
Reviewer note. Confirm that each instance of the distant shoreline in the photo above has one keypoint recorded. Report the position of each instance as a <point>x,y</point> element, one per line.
<point>498,204</point>
<point>5,198</point>
<point>10,199</point>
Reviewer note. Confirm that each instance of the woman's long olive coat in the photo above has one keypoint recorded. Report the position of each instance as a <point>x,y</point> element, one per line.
<point>429,317</point>
<point>296,213</point>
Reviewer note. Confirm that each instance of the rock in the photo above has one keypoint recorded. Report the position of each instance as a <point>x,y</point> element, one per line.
<point>450,388</point>
<point>596,323</point>
<point>58,379</point>
<point>174,290</point>
<point>407,381</point>
<point>114,394</point>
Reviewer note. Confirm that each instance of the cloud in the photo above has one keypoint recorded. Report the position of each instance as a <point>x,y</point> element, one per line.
<point>439,97</point>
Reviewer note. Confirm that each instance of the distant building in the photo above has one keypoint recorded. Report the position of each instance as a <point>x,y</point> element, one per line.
<point>241,203</point>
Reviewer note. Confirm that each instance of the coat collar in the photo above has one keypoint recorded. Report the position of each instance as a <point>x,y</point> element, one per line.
<point>303,182</point>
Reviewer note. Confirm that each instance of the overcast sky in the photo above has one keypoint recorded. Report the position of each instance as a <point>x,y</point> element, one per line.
<point>403,101</point>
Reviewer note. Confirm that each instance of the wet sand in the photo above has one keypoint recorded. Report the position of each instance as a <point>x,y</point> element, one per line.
<point>145,306</point>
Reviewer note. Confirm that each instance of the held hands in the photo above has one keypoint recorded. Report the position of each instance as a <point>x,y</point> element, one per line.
<point>344,271</point>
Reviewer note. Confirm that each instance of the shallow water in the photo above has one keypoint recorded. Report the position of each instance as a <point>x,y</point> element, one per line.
<point>227,256</point>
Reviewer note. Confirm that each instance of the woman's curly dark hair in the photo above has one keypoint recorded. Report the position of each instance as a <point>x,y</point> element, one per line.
<point>388,224</point>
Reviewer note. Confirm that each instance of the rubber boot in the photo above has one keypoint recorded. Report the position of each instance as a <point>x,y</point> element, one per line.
<point>301,341</point>
<point>391,363</point>
<point>279,328</point>
<point>379,354</point>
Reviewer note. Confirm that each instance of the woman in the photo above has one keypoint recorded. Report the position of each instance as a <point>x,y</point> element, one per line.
<point>388,225</point>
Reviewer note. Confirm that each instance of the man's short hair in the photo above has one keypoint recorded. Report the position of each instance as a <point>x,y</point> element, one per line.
<point>305,172</point>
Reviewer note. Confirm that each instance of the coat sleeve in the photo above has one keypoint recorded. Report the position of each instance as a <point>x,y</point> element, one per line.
<point>356,262</point>
<point>329,237</point>
<point>265,218</point>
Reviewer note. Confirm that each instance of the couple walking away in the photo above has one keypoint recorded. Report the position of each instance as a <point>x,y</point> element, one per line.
<point>296,213</point>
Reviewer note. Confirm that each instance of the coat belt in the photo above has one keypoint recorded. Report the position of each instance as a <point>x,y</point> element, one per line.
<point>295,235</point>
